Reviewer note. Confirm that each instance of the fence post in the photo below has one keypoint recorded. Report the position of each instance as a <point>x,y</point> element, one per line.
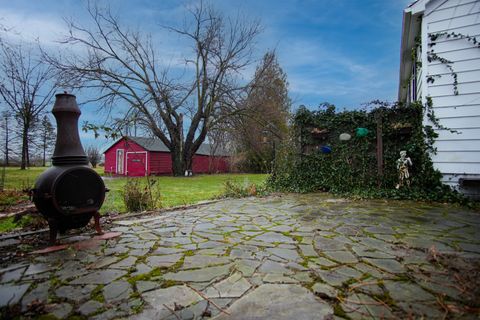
<point>378,116</point>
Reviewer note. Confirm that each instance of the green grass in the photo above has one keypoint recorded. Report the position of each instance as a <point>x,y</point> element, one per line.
<point>175,191</point>
<point>16,179</point>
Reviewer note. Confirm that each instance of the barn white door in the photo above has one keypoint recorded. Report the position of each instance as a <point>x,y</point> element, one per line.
<point>120,161</point>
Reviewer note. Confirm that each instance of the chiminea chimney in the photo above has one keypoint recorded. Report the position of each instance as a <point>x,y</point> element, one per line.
<point>69,193</point>
<point>68,148</point>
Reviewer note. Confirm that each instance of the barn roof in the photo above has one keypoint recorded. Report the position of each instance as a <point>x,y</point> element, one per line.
<point>156,145</point>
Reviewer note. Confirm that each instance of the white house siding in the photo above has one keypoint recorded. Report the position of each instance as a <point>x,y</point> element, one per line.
<point>458,155</point>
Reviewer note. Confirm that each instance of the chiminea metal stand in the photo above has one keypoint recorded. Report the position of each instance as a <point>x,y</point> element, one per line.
<point>69,193</point>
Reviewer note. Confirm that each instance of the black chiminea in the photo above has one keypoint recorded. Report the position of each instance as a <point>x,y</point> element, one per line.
<point>69,193</point>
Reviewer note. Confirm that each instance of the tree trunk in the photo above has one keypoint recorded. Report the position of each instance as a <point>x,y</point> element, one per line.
<point>178,165</point>
<point>6,141</point>
<point>24,160</point>
<point>45,150</point>
<point>188,160</point>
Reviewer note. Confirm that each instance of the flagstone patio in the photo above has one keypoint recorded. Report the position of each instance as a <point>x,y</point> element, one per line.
<point>282,257</point>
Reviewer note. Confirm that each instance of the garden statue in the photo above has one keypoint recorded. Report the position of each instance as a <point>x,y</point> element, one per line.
<point>402,165</point>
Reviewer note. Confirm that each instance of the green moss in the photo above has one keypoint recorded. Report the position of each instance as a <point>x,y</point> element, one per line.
<point>137,309</point>
<point>385,297</point>
<point>349,282</point>
<point>365,276</point>
<point>97,294</point>
<point>189,253</point>
<point>122,255</point>
<point>298,238</point>
<point>169,283</point>
<point>156,272</point>
<point>403,277</point>
<point>339,312</point>
<point>304,262</point>
<point>228,251</point>
<point>331,236</point>
<point>55,282</point>
<point>135,295</point>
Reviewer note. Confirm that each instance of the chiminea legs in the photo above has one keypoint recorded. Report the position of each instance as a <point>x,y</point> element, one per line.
<point>53,226</point>
<point>96,218</point>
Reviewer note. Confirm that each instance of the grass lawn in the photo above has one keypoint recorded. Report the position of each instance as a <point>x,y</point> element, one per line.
<point>174,190</point>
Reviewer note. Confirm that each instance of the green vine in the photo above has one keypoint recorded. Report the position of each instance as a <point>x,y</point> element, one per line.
<point>432,56</point>
<point>434,36</point>
<point>430,113</point>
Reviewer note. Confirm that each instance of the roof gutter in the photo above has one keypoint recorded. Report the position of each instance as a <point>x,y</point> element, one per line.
<point>411,26</point>
<point>405,60</point>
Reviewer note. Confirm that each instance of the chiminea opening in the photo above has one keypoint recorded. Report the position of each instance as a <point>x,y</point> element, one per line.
<point>69,193</point>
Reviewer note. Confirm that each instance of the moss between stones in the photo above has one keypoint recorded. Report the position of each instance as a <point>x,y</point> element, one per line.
<point>316,279</point>
<point>98,311</point>
<point>142,259</point>
<point>137,309</point>
<point>368,234</point>
<point>169,283</point>
<point>339,312</point>
<point>97,294</point>
<point>331,236</point>
<point>146,276</point>
<point>403,277</point>
<point>228,251</point>
<point>135,295</point>
<point>122,255</point>
<point>298,238</point>
<point>155,246</point>
<point>365,276</point>
<point>159,271</point>
<point>304,263</point>
<point>189,253</point>
<point>55,282</point>
<point>346,284</point>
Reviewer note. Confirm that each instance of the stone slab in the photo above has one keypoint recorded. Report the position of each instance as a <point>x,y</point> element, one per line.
<point>280,302</point>
<point>157,300</point>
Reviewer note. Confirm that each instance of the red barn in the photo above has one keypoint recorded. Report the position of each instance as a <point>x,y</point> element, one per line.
<point>136,156</point>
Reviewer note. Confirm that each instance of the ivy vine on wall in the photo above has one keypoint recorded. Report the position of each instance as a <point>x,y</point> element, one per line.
<point>433,56</point>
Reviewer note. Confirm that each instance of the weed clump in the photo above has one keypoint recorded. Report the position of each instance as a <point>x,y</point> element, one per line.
<point>138,196</point>
<point>232,189</point>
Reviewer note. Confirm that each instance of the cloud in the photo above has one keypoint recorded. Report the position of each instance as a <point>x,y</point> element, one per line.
<point>30,27</point>
<point>316,70</point>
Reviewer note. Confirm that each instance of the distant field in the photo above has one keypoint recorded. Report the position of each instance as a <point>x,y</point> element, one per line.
<point>174,190</point>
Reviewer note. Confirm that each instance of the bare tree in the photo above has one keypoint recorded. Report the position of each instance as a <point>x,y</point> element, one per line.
<point>123,66</point>
<point>26,87</point>
<point>93,155</point>
<point>45,138</point>
<point>7,137</point>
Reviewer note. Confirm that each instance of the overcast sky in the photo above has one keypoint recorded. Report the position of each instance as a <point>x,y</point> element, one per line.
<point>345,52</point>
